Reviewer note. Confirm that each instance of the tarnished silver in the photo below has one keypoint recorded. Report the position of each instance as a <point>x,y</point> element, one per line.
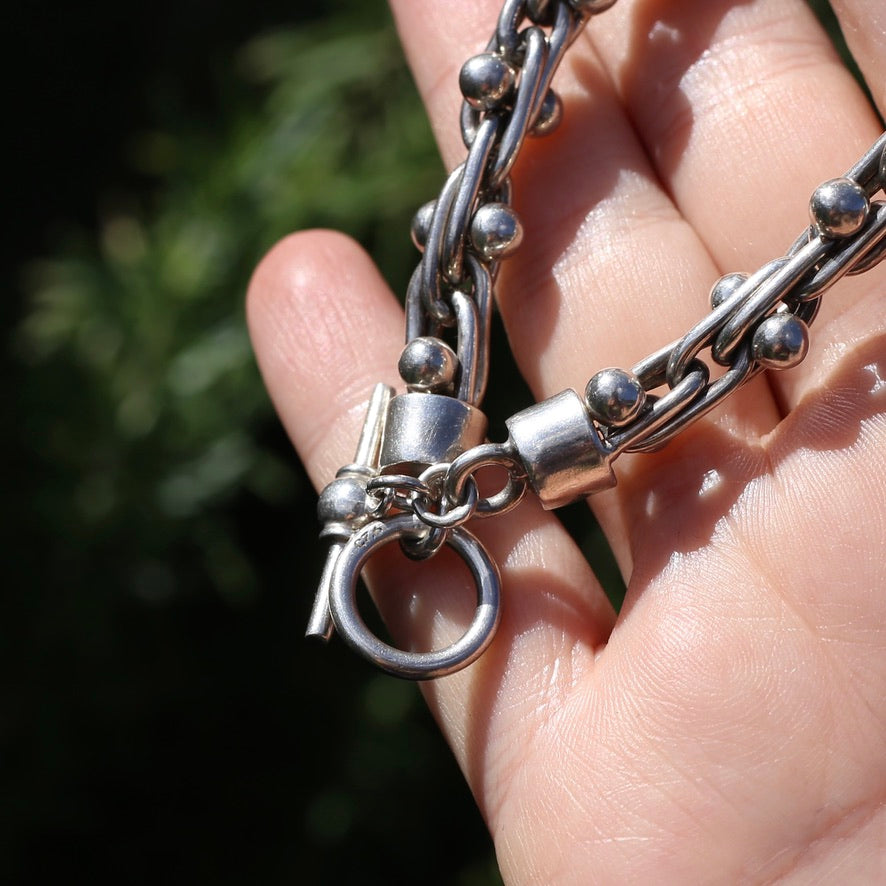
<point>415,478</point>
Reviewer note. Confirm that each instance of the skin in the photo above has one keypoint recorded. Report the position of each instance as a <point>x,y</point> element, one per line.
<point>729,724</point>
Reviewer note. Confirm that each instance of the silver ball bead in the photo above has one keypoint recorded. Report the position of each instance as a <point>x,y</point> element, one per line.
<point>342,501</point>
<point>780,341</point>
<point>486,80</point>
<point>421,224</point>
<point>839,207</point>
<point>428,365</point>
<point>614,396</point>
<point>725,286</point>
<point>549,114</point>
<point>496,231</point>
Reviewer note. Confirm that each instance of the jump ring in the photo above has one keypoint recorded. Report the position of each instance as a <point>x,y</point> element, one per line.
<point>487,455</point>
<point>413,665</point>
<point>449,517</point>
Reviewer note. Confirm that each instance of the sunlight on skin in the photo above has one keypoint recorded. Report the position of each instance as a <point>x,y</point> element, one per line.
<point>879,384</point>
<point>730,725</point>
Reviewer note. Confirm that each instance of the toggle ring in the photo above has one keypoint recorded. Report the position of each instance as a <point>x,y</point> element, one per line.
<point>413,665</point>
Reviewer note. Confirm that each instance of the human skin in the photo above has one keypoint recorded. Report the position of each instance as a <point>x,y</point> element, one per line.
<point>729,724</point>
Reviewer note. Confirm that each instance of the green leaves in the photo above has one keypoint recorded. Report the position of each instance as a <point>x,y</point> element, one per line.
<point>321,127</point>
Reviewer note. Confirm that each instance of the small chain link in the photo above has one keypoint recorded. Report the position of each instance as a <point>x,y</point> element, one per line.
<point>446,494</point>
<point>453,283</point>
<point>451,288</point>
<point>563,447</point>
<point>793,284</point>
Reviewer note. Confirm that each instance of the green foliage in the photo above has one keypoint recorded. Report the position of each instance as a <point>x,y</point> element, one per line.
<point>162,705</point>
<point>137,336</point>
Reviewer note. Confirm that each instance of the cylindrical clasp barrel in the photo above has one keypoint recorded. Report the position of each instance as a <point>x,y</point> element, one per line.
<point>561,449</point>
<point>427,429</point>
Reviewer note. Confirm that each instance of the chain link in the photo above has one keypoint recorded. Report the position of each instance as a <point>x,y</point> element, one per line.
<point>446,495</point>
<point>415,475</point>
<point>465,232</point>
<point>791,285</point>
<point>453,283</point>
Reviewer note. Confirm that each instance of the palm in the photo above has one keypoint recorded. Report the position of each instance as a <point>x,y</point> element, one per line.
<point>729,723</point>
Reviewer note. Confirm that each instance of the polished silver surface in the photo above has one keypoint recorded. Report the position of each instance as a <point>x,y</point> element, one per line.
<point>486,80</point>
<point>343,504</point>
<point>474,329</point>
<point>401,663</point>
<point>421,224</point>
<point>496,231</point>
<point>766,297</point>
<point>560,450</point>
<point>664,410</point>
<point>488,455</point>
<point>424,429</point>
<point>839,208</point>
<point>440,512</point>
<point>725,287</point>
<point>870,169</point>
<point>780,341</point>
<point>549,116</point>
<point>855,256</point>
<point>465,201</point>
<point>614,396</point>
<point>428,365</point>
<point>420,484</point>
<point>467,321</point>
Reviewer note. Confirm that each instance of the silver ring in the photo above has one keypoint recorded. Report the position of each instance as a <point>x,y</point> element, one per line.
<point>413,665</point>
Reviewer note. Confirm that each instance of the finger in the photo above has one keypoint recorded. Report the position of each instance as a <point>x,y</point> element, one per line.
<point>325,330</point>
<point>863,23</point>
<point>701,657</point>
<point>304,301</point>
<point>609,271</point>
<point>745,108</point>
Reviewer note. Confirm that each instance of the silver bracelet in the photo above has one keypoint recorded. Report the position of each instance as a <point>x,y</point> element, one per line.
<point>412,478</point>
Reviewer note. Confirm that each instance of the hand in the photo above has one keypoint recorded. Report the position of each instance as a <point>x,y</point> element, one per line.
<point>729,724</point>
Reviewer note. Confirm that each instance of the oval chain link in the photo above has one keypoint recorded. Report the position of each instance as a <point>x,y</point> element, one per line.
<point>463,236</point>
<point>452,284</point>
<point>793,283</point>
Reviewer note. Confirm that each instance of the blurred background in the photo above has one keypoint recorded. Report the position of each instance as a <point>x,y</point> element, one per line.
<point>162,719</point>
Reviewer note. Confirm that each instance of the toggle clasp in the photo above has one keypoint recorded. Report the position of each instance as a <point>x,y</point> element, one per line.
<point>343,505</point>
<point>413,665</point>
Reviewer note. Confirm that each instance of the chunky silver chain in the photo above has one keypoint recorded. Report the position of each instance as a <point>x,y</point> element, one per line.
<point>413,477</point>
